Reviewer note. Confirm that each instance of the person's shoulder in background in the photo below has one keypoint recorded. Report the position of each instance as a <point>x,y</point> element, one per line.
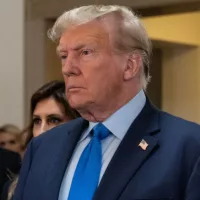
<point>10,163</point>
<point>10,160</point>
<point>5,190</point>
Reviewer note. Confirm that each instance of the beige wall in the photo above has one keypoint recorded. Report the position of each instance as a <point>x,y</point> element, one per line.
<point>181,82</point>
<point>35,30</point>
<point>53,8</point>
<point>179,28</point>
<point>12,62</point>
<point>178,36</point>
<point>52,62</point>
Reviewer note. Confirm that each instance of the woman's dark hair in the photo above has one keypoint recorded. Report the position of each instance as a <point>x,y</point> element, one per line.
<point>56,90</point>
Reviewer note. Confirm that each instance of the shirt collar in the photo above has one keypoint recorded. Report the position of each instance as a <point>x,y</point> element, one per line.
<point>120,121</point>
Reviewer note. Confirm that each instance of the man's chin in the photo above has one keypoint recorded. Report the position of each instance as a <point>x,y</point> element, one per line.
<point>76,105</point>
<point>79,105</point>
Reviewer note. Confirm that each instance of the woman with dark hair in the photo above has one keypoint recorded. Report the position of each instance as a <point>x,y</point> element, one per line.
<point>49,108</point>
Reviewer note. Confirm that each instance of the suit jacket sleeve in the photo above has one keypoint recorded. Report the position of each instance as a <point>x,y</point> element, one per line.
<point>26,164</point>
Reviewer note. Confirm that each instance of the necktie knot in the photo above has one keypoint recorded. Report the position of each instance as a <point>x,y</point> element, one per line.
<point>100,131</point>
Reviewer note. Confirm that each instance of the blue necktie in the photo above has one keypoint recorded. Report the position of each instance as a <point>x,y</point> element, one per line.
<point>87,173</point>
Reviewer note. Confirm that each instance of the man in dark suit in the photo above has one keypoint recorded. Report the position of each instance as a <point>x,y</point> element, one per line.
<point>10,163</point>
<point>123,147</point>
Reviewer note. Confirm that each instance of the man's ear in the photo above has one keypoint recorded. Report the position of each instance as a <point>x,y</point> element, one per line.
<point>133,66</point>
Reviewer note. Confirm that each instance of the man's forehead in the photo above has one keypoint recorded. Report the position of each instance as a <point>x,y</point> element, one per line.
<point>83,30</point>
<point>79,38</point>
<point>76,44</point>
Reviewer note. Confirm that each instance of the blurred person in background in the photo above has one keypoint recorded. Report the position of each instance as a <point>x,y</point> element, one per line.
<point>49,108</point>
<point>11,150</point>
<point>10,138</point>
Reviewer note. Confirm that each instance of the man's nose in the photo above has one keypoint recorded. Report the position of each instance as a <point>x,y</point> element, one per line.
<point>70,66</point>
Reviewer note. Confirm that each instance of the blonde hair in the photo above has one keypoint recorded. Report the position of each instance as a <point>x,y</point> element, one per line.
<point>132,36</point>
<point>11,129</point>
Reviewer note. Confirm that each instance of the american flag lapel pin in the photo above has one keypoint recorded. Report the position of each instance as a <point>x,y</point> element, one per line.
<point>143,144</point>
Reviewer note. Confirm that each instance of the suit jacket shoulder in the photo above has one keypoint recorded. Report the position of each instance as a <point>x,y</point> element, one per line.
<point>58,133</point>
<point>179,127</point>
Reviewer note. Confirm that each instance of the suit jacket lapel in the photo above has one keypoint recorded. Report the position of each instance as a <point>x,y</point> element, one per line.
<point>129,156</point>
<point>60,159</point>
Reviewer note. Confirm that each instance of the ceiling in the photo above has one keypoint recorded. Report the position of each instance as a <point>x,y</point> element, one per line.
<point>52,8</point>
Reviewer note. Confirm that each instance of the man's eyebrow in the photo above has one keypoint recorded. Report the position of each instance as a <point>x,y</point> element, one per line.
<point>84,45</point>
<point>60,49</point>
<point>77,47</point>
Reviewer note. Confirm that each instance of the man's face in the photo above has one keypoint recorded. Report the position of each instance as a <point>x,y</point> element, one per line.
<point>93,73</point>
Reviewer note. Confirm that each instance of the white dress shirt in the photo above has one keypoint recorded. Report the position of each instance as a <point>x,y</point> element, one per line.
<point>118,124</point>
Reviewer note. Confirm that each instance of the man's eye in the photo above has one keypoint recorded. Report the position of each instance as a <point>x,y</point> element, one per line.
<point>86,52</point>
<point>63,57</point>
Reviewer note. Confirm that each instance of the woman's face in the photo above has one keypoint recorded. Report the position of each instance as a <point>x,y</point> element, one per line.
<point>48,113</point>
<point>10,142</point>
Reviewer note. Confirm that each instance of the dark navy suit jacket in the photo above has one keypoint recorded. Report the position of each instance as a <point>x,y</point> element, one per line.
<point>168,169</point>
